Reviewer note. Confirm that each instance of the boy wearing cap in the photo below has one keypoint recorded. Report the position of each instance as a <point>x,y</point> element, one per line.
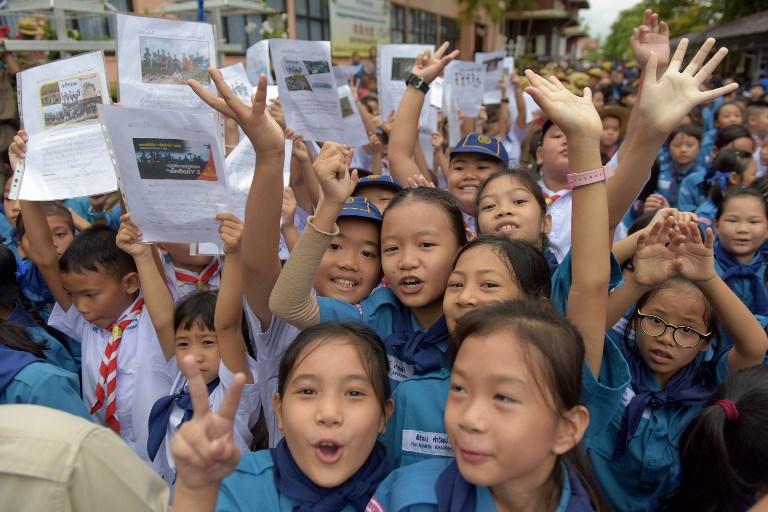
<point>377,189</point>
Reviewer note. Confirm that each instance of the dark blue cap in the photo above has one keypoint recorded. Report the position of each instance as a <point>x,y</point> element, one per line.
<point>361,208</point>
<point>480,144</point>
<point>378,180</point>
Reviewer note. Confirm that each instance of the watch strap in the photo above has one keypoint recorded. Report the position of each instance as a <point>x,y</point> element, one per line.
<point>580,179</point>
<point>417,82</point>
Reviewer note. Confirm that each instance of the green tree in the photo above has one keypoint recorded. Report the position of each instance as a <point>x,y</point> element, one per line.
<point>616,45</point>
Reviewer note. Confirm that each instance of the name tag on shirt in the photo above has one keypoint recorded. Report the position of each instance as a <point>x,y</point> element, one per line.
<point>429,443</point>
<point>399,370</point>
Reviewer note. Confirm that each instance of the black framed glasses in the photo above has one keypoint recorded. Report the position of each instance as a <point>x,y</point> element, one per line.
<point>683,335</point>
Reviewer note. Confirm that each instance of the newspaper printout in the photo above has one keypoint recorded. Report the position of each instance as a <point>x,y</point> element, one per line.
<point>257,62</point>
<point>237,80</point>
<point>307,90</point>
<point>462,91</point>
<point>171,172</point>
<point>354,130</point>
<point>156,57</point>
<point>393,65</point>
<point>67,153</point>
<point>493,63</point>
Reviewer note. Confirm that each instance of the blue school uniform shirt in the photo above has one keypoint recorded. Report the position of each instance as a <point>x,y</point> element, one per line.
<point>670,179</point>
<point>691,194</point>
<point>42,383</point>
<point>416,430</point>
<point>705,152</point>
<point>707,212</point>
<point>82,207</point>
<point>708,113</point>
<point>32,284</point>
<point>252,487</point>
<point>650,467</point>
<point>563,277</point>
<point>378,311</point>
<point>412,489</point>
<point>56,353</point>
<point>8,236</point>
<point>741,286</point>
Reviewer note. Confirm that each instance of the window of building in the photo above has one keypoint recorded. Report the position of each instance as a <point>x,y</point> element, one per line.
<point>312,20</point>
<point>246,30</point>
<point>422,27</point>
<point>397,24</point>
<point>449,31</point>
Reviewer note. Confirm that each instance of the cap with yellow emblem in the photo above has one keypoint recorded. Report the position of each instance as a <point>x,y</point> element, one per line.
<point>482,145</point>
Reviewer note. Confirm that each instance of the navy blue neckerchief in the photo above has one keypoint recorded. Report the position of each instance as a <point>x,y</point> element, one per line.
<point>686,387</point>
<point>455,494</point>
<point>418,348</point>
<point>733,270</point>
<point>12,362</point>
<point>356,491</point>
<point>160,415</point>
<point>551,260</point>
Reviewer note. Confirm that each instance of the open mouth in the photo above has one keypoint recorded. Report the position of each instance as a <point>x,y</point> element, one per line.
<point>328,452</point>
<point>344,283</point>
<point>506,229</point>
<point>411,284</point>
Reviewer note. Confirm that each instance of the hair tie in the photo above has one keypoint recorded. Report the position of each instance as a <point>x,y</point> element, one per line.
<point>721,178</point>
<point>731,412</point>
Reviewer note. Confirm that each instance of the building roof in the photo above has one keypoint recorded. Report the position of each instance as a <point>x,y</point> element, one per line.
<point>748,25</point>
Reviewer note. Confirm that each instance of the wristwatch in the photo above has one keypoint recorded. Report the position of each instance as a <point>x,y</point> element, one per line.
<point>417,82</point>
<point>580,179</point>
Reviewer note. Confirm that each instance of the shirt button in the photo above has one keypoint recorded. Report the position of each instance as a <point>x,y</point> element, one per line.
<point>651,462</point>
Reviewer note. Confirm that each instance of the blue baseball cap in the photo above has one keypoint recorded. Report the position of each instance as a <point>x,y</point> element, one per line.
<point>480,144</point>
<point>378,180</point>
<point>360,208</point>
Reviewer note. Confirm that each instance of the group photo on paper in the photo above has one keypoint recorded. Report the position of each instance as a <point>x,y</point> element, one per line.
<point>407,278</point>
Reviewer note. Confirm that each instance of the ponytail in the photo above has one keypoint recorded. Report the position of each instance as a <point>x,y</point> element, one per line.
<point>14,336</point>
<point>728,161</point>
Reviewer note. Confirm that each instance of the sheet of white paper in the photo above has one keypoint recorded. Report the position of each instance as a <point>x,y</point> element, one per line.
<point>156,57</point>
<point>272,93</point>
<point>205,249</point>
<point>287,162</point>
<point>307,89</point>
<point>240,166</point>
<point>394,64</point>
<point>342,74</point>
<point>354,130</point>
<point>436,92</point>
<point>462,90</point>
<point>257,62</point>
<point>493,63</point>
<point>531,108</point>
<point>67,155</point>
<point>425,136</point>
<point>237,80</point>
<point>171,172</point>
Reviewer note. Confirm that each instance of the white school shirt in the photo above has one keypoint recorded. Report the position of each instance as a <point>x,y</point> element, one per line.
<point>180,289</point>
<point>143,373</point>
<point>164,464</point>
<point>269,347</point>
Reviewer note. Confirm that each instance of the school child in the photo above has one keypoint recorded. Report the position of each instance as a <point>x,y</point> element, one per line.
<point>98,302</point>
<point>332,403</point>
<point>11,210</point>
<point>727,114</point>
<point>474,158</point>
<point>417,258</point>
<point>377,189</point>
<point>204,324</point>
<point>27,377</point>
<point>514,419</point>
<point>614,120</point>
<point>186,273</point>
<point>683,146</point>
<point>97,209</point>
<point>740,259</point>
<point>692,193</point>
<point>729,475</point>
<point>757,122</point>
<point>14,307</point>
<point>731,168</point>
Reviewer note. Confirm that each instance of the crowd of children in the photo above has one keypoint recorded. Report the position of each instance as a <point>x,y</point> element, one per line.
<point>567,314</point>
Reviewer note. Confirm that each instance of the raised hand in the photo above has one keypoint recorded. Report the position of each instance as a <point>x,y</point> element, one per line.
<point>651,36</point>
<point>204,449</point>
<point>695,256</point>
<point>277,113</point>
<point>231,232</point>
<point>332,169</point>
<point>288,210</point>
<point>429,66</point>
<point>374,144</point>
<point>263,131</point>
<point>665,101</point>
<point>655,257</point>
<point>655,202</point>
<point>18,149</point>
<point>574,115</point>
<point>128,238</point>
<point>419,180</point>
<point>437,141</point>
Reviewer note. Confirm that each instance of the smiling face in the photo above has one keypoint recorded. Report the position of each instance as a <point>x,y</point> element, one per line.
<point>480,277</point>
<point>501,421</point>
<point>681,304</point>
<point>202,344</point>
<point>507,208</point>
<point>350,268</point>
<point>465,174</point>
<point>742,228</point>
<point>417,257</point>
<point>329,413</point>
<point>683,149</point>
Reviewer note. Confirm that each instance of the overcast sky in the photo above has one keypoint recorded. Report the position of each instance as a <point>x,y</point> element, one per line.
<point>602,14</point>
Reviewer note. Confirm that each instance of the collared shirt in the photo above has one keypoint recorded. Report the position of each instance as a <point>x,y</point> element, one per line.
<point>143,374</point>
<point>55,461</point>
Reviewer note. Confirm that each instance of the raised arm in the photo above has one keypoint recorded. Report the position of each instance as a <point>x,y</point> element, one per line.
<point>261,263</point>
<point>228,317</point>
<point>405,132</point>
<point>157,297</point>
<point>522,114</point>
<point>590,249</point>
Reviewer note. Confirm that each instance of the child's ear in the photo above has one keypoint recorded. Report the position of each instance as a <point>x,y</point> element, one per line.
<point>389,408</point>
<point>539,158</point>
<point>276,403</point>
<point>130,282</point>
<point>573,425</point>
<point>734,178</point>
<point>546,224</point>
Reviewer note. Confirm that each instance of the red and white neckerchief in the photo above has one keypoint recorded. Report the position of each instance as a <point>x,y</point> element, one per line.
<point>199,280</point>
<point>107,386</point>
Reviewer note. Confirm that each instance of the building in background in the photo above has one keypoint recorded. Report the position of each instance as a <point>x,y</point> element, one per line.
<point>545,28</point>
